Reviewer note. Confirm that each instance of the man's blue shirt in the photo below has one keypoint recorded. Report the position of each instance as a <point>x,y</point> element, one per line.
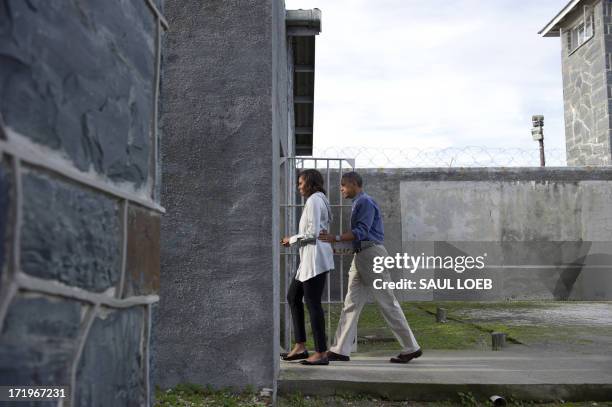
<point>366,220</point>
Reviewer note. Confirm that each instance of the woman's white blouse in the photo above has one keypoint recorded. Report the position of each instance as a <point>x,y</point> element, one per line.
<point>319,257</point>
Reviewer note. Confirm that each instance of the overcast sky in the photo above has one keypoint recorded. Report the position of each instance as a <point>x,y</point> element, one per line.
<point>421,73</point>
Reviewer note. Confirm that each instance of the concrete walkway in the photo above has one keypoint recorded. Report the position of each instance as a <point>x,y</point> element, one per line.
<point>440,375</point>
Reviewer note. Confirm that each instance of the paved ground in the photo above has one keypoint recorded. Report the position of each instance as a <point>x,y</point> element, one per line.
<point>440,375</point>
<point>557,350</point>
<point>550,313</point>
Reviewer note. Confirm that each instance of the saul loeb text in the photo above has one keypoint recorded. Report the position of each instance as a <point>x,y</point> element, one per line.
<point>459,264</point>
<point>435,284</point>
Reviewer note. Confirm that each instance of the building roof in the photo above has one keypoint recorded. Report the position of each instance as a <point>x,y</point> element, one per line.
<point>552,28</point>
<point>302,27</point>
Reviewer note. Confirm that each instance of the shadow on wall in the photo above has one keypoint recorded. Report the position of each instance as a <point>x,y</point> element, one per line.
<point>547,231</point>
<point>550,270</point>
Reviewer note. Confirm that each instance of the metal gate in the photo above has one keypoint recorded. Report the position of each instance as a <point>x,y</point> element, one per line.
<point>291,206</point>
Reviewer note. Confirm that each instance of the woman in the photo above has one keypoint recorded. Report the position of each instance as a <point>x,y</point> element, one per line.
<point>316,259</point>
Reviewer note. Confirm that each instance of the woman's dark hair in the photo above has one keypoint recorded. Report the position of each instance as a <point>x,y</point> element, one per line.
<point>313,179</point>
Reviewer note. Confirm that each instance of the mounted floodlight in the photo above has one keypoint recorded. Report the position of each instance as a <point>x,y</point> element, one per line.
<point>537,132</point>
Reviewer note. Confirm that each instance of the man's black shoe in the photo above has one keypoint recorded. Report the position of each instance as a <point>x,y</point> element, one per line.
<point>320,362</point>
<point>406,357</point>
<point>336,357</point>
<point>297,356</point>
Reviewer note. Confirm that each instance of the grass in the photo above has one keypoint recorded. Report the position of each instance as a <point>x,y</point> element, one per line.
<point>195,396</point>
<point>568,336</point>
<point>451,335</point>
<point>461,332</point>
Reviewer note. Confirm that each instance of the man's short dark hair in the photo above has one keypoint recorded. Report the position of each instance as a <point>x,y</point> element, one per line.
<point>352,176</point>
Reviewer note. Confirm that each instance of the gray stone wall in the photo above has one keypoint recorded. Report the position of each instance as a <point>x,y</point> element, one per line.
<point>79,218</point>
<point>586,89</point>
<point>550,229</point>
<point>605,138</point>
<point>224,112</point>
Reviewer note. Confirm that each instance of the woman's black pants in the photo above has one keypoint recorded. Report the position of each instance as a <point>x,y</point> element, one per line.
<point>311,291</point>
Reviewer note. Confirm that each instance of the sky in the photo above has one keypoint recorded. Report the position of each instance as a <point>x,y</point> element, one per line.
<point>434,74</point>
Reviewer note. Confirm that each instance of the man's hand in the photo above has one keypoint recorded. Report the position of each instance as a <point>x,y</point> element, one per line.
<point>326,237</point>
<point>285,241</point>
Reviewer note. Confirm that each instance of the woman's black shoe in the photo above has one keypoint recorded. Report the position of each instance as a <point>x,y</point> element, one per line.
<point>297,356</point>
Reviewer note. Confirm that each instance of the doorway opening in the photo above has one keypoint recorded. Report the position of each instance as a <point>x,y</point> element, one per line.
<point>291,207</point>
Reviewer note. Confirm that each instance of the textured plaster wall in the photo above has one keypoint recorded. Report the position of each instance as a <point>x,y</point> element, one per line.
<point>555,224</point>
<point>225,109</point>
<point>536,219</point>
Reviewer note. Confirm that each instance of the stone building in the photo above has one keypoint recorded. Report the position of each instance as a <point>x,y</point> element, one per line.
<point>585,28</point>
<point>87,90</point>
<point>79,196</point>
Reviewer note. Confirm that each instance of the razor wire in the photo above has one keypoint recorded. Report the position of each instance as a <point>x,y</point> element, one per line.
<point>469,156</point>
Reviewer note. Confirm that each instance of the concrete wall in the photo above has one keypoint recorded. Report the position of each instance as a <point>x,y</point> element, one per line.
<point>224,112</point>
<point>79,223</point>
<point>587,74</point>
<point>549,229</point>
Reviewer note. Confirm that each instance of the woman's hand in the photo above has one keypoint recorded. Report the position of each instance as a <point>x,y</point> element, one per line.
<point>285,241</point>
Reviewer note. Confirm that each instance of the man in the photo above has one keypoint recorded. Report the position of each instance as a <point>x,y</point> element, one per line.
<point>367,236</point>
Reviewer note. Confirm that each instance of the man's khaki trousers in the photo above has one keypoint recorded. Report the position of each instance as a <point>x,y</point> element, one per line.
<point>360,282</point>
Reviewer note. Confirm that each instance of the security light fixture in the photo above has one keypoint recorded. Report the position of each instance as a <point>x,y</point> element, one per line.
<point>537,132</point>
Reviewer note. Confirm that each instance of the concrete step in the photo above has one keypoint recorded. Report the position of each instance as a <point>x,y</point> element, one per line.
<point>441,375</point>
